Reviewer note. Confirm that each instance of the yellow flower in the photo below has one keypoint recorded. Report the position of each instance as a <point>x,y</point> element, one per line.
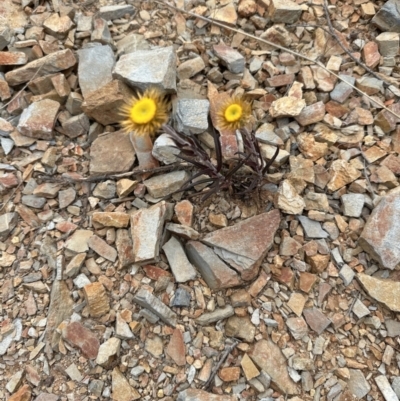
<point>145,113</point>
<point>233,114</point>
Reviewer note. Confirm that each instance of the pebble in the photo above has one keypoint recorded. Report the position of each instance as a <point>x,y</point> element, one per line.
<point>215,316</point>
<point>230,57</point>
<point>192,116</point>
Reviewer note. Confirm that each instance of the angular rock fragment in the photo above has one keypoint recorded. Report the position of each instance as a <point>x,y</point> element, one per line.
<point>312,228</point>
<point>176,348</point>
<point>13,58</point>
<point>145,68</point>
<point>104,104</point>
<point>147,300</point>
<point>388,43</point>
<point>380,237</point>
<point>192,116</point>
<point>111,219</point>
<point>108,352</point>
<point>121,389</point>
<point>268,357</point>
<point>58,26</point>
<point>285,11</point>
<point>124,245</point>
<point>82,338</point>
<point>388,17</point>
<point>287,106</point>
<point>8,221</point>
<point>316,319</point>
<point>181,268</point>
<point>383,290</point>
<point>311,114</point>
<point>146,229</point>
<point>165,184</point>
<point>49,64</point>
<point>78,242</point>
<point>215,272</point>
<point>102,248</point>
<point>165,149</point>
<point>37,121</point>
<point>240,327</point>
<point>343,173</point>
<point>115,11</point>
<point>245,257</point>
<point>288,200</point>
<point>233,60</point>
<point>192,394</point>
<point>96,299</point>
<point>190,68</point>
<point>104,150</point>
<point>101,33</point>
<point>95,67</point>
<point>215,316</point>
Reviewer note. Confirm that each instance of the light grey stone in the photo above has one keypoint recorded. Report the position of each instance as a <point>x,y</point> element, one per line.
<point>165,149</point>
<point>392,327</point>
<point>5,36</point>
<point>192,116</point>
<point>108,351</point>
<point>110,13</point>
<point>233,60</point>
<point>147,300</point>
<point>192,394</point>
<point>149,316</point>
<point>353,204</point>
<point>37,202</point>
<point>131,43</point>
<point>347,274</point>
<point>357,384</point>
<point>15,381</point>
<point>214,271</point>
<point>360,310</point>
<point>265,134</point>
<point>101,33</point>
<point>8,222</point>
<point>7,144</point>
<point>190,68</point>
<point>182,298</point>
<point>165,184</point>
<point>312,228</point>
<point>388,17</point>
<point>74,373</point>
<point>342,91</point>
<point>215,316</point>
<point>183,231</point>
<point>122,329</point>
<point>81,280</point>
<point>396,385</point>
<point>84,23</point>
<point>181,268</point>
<point>144,68</point>
<point>95,68</point>
<point>146,230</point>
<point>388,43</point>
<point>383,383</point>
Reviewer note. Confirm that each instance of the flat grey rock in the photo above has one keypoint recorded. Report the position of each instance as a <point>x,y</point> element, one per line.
<point>388,17</point>
<point>95,68</point>
<point>114,12</point>
<point>144,68</point>
<point>149,301</point>
<point>312,228</point>
<point>192,116</point>
<point>215,316</point>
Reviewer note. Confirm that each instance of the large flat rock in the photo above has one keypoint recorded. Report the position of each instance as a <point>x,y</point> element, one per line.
<point>381,234</point>
<point>245,244</point>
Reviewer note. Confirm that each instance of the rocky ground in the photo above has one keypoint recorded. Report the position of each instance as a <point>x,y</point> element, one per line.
<point>108,291</point>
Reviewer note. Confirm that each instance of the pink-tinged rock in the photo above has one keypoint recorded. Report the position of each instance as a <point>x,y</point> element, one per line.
<point>311,114</point>
<point>176,348</point>
<point>229,146</point>
<point>37,121</point>
<point>371,54</point>
<point>245,256</point>
<point>66,227</point>
<point>23,394</point>
<point>123,242</point>
<point>280,80</point>
<point>102,248</point>
<point>112,154</point>
<point>381,237</point>
<point>316,319</point>
<point>268,356</point>
<point>5,92</point>
<point>184,212</point>
<point>50,64</point>
<point>79,336</point>
<point>13,58</point>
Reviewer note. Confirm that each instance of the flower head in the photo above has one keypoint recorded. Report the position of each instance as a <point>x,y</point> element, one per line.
<point>145,113</point>
<point>234,114</point>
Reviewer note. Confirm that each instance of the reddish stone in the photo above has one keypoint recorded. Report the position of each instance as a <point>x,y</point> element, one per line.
<point>336,109</point>
<point>154,272</point>
<point>82,338</point>
<point>176,348</point>
<point>23,394</point>
<point>316,319</point>
<point>280,80</point>
<point>229,374</point>
<point>184,213</point>
<point>307,281</point>
<point>13,58</point>
<point>66,227</point>
<point>371,54</point>
<point>286,277</point>
<point>27,215</point>
<point>8,180</point>
<point>311,114</point>
<point>392,162</point>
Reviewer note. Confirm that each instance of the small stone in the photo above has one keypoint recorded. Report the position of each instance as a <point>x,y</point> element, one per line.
<point>315,201</point>
<point>122,329</point>
<point>184,212</point>
<point>105,102</point>
<point>285,11</point>
<point>357,384</point>
<point>346,274</point>
<point>388,17</point>
<point>154,346</point>
<point>95,67</point>
<point>343,173</point>
<point>37,121</point>
<point>371,54</point>
<point>192,116</point>
<point>249,369</point>
<point>163,185</point>
<point>342,91</point>
<point>23,394</point>
<point>268,151</point>
<point>388,43</point>
<point>296,303</point>
<point>74,265</point>
<point>79,336</point>
<point>360,310</point>
<point>108,352</point>
<point>307,281</point>
<point>369,85</point>
<point>125,187</point>
<point>297,326</point>
<point>78,242</point>
<point>190,68</point>
<point>230,57</point>
<point>148,67</point>
<point>146,230</point>
<point>182,298</point>
<point>312,228</point>
<point>111,219</point>
<point>6,35</point>
<point>265,134</point>
<point>73,372</point>
<point>121,389</point>
<point>288,200</point>
<point>52,63</point>
<point>105,190</point>
<point>218,314</point>
<point>353,204</point>
<point>316,319</point>
<point>287,106</point>
<point>240,327</point>
<point>101,33</point>
<point>13,58</point>
<point>176,348</point>
<point>280,80</point>
<point>311,114</point>
<point>383,384</point>
<point>145,299</point>
<point>225,14</point>
<point>229,374</point>
<point>15,381</point>
<point>192,394</point>
<point>96,299</point>
<point>33,201</point>
<point>110,13</point>
<point>102,248</point>
<point>8,221</point>
<point>66,197</point>
<point>165,149</point>
<point>384,291</point>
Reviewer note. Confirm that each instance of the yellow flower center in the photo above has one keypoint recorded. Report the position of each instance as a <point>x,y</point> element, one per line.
<point>233,113</point>
<point>143,111</point>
